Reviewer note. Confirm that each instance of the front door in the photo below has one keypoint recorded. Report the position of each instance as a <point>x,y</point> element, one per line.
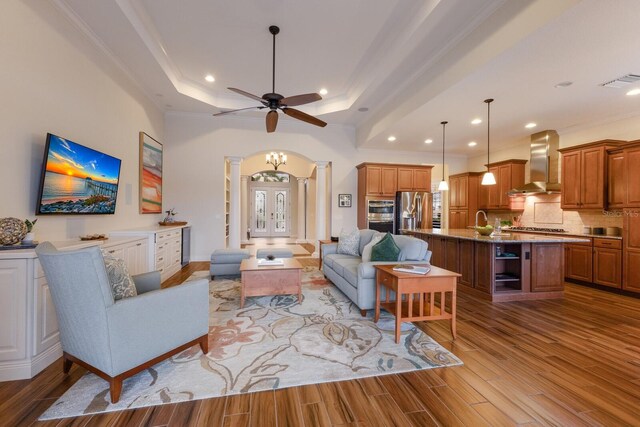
<point>270,212</point>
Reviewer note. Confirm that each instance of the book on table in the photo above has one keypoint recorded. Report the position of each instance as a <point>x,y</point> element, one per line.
<point>266,262</point>
<point>414,269</point>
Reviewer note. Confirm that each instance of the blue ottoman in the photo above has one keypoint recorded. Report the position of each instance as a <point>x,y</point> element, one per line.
<point>226,262</point>
<point>276,252</point>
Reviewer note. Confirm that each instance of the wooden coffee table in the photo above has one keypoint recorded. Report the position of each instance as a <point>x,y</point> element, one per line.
<point>408,308</point>
<point>270,280</point>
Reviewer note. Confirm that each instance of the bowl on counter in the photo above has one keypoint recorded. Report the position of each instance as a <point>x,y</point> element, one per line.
<point>484,231</point>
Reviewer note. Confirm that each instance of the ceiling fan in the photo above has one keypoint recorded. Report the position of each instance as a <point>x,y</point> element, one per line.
<point>274,101</point>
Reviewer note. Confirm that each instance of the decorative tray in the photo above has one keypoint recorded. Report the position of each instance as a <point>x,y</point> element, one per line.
<point>94,237</point>
<point>174,223</point>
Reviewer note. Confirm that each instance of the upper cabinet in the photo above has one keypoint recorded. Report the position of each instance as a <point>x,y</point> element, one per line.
<point>631,154</point>
<point>464,191</point>
<point>509,174</point>
<point>380,179</point>
<point>616,186</point>
<point>584,175</point>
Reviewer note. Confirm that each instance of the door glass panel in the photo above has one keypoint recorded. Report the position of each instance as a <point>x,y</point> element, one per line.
<point>280,225</point>
<point>261,211</point>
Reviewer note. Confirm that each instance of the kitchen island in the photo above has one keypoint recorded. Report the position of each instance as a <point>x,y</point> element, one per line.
<point>515,266</point>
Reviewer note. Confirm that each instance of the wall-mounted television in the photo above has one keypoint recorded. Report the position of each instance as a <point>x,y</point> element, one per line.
<point>77,180</point>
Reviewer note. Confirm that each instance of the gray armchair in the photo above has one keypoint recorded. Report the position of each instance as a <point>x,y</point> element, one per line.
<point>118,339</point>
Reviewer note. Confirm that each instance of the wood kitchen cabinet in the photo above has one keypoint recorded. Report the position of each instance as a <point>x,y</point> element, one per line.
<point>465,267</point>
<point>631,154</point>
<point>585,175</point>
<point>578,261</point>
<point>616,185</point>
<point>412,179</point>
<point>607,262</point>
<point>464,192</point>
<point>546,272</point>
<point>509,174</point>
<point>631,262</point>
<point>381,179</point>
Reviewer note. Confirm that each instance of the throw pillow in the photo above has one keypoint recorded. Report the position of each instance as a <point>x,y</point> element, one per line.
<point>366,251</point>
<point>122,285</point>
<point>349,243</point>
<point>385,250</point>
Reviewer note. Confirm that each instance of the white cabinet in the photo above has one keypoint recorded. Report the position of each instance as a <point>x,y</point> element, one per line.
<point>46,322</point>
<point>134,254</point>
<point>13,307</point>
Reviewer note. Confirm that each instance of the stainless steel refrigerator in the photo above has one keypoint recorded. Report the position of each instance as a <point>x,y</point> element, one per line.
<point>414,209</point>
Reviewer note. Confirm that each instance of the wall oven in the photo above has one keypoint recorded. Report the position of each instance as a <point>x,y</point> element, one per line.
<point>381,215</point>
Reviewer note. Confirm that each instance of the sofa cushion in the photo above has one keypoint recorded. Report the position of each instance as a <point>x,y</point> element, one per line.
<point>329,260</point>
<point>365,238</point>
<point>348,269</point>
<point>411,249</point>
<point>122,285</point>
<point>348,243</point>
<point>366,252</point>
<point>385,250</point>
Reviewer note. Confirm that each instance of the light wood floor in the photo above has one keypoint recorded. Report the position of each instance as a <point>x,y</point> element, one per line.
<point>564,362</point>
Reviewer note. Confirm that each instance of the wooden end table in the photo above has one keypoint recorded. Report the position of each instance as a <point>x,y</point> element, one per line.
<point>422,307</point>
<point>270,280</point>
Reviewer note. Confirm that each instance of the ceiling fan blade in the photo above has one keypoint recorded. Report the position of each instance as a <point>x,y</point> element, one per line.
<point>292,101</point>
<point>247,94</point>
<point>272,121</point>
<point>222,113</point>
<point>297,114</point>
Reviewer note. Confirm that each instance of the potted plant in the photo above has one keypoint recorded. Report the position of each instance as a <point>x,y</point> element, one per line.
<point>30,236</point>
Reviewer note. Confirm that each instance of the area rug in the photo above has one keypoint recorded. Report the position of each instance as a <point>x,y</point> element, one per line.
<point>274,342</point>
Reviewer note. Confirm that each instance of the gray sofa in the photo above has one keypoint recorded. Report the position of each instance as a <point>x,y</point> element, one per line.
<point>357,279</point>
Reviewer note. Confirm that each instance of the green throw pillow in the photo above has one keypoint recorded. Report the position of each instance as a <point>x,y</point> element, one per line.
<point>385,250</point>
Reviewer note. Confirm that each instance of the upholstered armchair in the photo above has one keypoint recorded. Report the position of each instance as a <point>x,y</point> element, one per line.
<point>118,339</point>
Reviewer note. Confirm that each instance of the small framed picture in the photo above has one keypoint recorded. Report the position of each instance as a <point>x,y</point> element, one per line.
<point>344,200</point>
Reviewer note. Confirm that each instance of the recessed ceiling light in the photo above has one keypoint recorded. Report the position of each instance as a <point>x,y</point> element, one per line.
<point>209,78</point>
<point>363,109</point>
<point>391,138</point>
<point>476,121</point>
<point>428,141</point>
<point>472,144</point>
<point>634,92</point>
<point>563,84</point>
<point>530,125</point>
<point>323,91</point>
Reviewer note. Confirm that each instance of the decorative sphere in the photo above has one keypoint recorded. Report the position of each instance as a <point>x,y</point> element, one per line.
<point>12,231</point>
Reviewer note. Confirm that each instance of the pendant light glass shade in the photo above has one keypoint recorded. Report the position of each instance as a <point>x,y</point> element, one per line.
<point>443,186</point>
<point>488,178</point>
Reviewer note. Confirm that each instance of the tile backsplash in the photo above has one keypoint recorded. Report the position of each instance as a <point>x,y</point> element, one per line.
<point>544,211</point>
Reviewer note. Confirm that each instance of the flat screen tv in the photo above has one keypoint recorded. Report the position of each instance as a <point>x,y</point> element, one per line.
<point>77,180</point>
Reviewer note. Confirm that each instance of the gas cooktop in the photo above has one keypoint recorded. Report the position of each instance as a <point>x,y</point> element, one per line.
<point>539,229</point>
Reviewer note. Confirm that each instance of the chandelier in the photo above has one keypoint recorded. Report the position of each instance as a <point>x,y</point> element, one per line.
<point>276,159</point>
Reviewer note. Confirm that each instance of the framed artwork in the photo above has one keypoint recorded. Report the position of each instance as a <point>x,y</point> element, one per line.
<point>150,175</point>
<point>344,200</point>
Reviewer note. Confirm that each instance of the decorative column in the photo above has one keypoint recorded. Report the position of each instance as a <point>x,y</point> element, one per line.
<point>234,205</point>
<point>321,203</point>
<point>302,219</point>
<point>244,208</point>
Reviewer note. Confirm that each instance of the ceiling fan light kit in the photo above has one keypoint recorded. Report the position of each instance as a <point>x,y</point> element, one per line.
<point>488,178</point>
<point>443,186</point>
<point>274,101</point>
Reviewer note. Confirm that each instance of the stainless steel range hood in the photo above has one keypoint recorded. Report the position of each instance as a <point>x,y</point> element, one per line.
<point>543,165</point>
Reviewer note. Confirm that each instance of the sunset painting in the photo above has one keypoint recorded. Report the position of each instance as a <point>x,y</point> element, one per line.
<point>78,179</point>
<point>150,175</point>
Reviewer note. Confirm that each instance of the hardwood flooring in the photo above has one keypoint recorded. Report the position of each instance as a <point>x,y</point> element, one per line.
<point>569,362</point>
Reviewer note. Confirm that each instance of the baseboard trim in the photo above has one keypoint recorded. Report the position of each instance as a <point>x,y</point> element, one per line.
<point>28,368</point>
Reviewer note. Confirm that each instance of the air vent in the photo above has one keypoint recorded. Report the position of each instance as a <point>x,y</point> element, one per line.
<point>623,81</point>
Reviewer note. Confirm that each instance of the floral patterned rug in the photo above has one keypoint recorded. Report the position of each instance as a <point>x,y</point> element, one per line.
<point>274,342</point>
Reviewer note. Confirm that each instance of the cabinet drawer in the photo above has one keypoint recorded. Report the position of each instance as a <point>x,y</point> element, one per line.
<point>163,236</point>
<point>607,243</point>
<point>589,243</point>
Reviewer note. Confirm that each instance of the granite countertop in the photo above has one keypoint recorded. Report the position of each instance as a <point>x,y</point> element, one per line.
<point>568,234</point>
<point>509,238</point>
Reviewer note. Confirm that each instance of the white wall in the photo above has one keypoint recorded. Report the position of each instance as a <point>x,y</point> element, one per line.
<point>196,145</point>
<point>53,79</point>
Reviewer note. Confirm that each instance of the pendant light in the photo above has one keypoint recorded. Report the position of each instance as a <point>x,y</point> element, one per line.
<point>443,186</point>
<point>488,178</point>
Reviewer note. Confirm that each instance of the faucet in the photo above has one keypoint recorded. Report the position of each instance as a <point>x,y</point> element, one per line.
<point>483,214</point>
